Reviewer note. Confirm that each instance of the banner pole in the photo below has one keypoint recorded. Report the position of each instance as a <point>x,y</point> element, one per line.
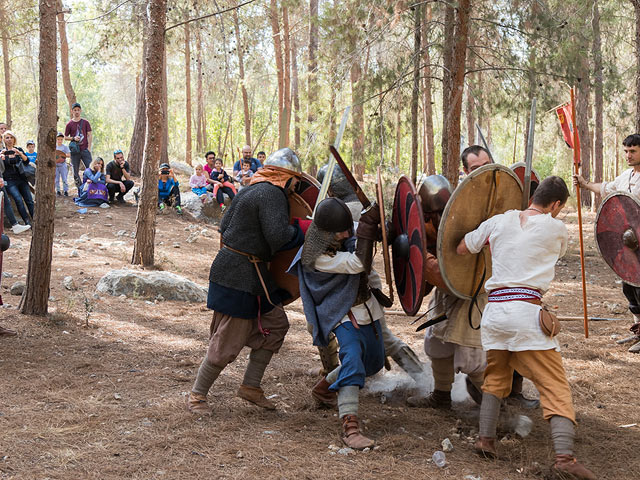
<point>576,170</point>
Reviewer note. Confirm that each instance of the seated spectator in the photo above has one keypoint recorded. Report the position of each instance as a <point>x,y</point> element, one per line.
<point>93,192</point>
<point>210,158</point>
<point>198,182</point>
<point>168,191</point>
<point>118,177</point>
<point>261,157</point>
<point>244,176</point>
<point>220,183</point>
<point>62,168</point>
<point>246,155</point>
<point>31,151</point>
<point>15,160</point>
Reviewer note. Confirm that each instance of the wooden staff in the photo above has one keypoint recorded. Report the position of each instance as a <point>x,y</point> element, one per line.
<point>576,170</point>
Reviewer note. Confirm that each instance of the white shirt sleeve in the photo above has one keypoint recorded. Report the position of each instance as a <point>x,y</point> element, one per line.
<point>476,239</point>
<point>565,240</point>
<point>341,262</point>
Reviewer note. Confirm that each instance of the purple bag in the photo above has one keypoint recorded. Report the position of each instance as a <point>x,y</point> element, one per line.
<point>97,191</point>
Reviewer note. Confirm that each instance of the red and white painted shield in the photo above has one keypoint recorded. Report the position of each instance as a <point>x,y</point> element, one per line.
<point>519,168</point>
<point>617,231</point>
<point>409,246</point>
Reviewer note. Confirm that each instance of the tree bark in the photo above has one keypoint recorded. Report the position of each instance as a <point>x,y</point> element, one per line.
<point>636,7</point>
<point>138,137</point>
<point>447,75</point>
<point>187,81</point>
<point>598,81</point>
<point>312,67</point>
<point>430,165</point>
<point>245,98</point>
<point>415,94</point>
<point>398,138</point>
<point>471,121</point>
<point>583,114</point>
<point>200,138</point>
<point>454,110</point>
<point>36,297</point>
<point>357,95</point>
<point>144,247</point>
<point>274,16</point>
<point>64,57</point>
<point>287,75</point>
<point>295,94</point>
<point>7,74</point>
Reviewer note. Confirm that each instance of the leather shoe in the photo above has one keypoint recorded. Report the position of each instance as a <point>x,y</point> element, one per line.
<point>436,399</point>
<point>323,396</point>
<point>256,396</point>
<point>197,403</point>
<point>567,466</point>
<point>351,435</point>
<point>486,447</point>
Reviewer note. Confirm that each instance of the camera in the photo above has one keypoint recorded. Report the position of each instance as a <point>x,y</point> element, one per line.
<point>164,172</point>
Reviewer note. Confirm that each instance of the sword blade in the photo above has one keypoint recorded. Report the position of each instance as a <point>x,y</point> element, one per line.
<point>529,157</point>
<point>484,142</point>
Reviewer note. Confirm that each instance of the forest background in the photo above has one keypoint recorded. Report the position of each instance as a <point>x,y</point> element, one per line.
<point>273,73</point>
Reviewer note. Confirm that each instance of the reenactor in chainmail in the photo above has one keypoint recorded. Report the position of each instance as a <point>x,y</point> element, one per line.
<point>394,347</point>
<point>339,294</point>
<point>246,302</point>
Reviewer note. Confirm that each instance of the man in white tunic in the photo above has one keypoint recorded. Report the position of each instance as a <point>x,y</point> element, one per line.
<point>511,333</point>
<point>628,181</point>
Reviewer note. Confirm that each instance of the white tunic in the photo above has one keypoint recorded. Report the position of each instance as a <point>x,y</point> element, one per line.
<point>345,262</point>
<point>521,257</point>
<point>628,181</point>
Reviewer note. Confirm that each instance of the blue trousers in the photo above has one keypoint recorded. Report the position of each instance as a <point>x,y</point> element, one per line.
<point>8,210</point>
<point>361,353</point>
<point>19,190</point>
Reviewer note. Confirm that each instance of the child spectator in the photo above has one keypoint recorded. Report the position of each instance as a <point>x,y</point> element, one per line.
<point>221,183</point>
<point>31,151</point>
<point>168,191</point>
<point>62,169</point>
<point>244,176</point>
<point>198,183</point>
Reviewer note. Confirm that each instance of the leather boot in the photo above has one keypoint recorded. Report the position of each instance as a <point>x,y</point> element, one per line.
<point>635,348</point>
<point>436,399</point>
<point>5,332</point>
<point>197,403</point>
<point>567,466</point>
<point>351,435</point>
<point>323,396</point>
<point>256,396</point>
<point>486,447</point>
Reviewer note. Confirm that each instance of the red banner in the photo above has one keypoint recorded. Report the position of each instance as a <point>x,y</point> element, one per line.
<point>566,125</point>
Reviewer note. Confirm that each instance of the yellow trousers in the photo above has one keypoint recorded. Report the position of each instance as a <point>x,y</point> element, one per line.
<point>543,367</point>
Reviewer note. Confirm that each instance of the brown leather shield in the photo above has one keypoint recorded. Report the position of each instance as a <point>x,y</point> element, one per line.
<point>487,191</point>
<point>617,231</point>
<point>519,168</point>
<point>385,238</point>
<point>301,203</point>
<point>409,247</point>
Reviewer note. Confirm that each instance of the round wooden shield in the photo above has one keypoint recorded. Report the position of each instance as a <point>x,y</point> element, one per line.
<point>385,238</point>
<point>617,231</point>
<point>409,247</point>
<point>308,188</point>
<point>490,190</point>
<point>519,168</point>
<point>298,208</point>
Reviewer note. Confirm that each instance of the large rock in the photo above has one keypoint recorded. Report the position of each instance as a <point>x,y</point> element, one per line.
<point>207,212</point>
<point>17,288</point>
<point>151,285</point>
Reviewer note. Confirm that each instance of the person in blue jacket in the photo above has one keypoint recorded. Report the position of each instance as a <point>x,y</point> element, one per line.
<point>93,191</point>
<point>168,189</point>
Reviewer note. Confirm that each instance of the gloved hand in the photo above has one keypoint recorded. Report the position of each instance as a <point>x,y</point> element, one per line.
<point>303,223</point>
<point>371,216</point>
<point>635,329</point>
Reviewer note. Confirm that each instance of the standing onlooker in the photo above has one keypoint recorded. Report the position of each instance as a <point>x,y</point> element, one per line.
<point>118,177</point>
<point>14,161</point>
<point>78,130</point>
<point>3,128</point>
<point>31,151</point>
<point>246,155</point>
<point>8,211</point>
<point>62,169</point>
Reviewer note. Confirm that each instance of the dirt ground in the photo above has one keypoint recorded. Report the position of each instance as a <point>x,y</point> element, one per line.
<point>107,400</point>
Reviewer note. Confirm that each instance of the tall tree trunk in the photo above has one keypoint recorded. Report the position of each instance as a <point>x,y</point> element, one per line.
<point>143,250</point>
<point>274,16</point>
<point>138,137</point>
<point>430,165</point>
<point>294,92</point>
<point>36,298</point>
<point>636,7</point>
<point>398,138</point>
<point>7,73</point>
<point>312,67</point>
<point>357,96</point>
<point>187,89</point>
<point>245,98</point>
<point>583,114</point>
<point>447,76</point>
<point>332,115</point>
<point>415,94</point>
<point>200,142</point>
<point>164,152</point>
<point>471,121</point>
<point>454,110</point>
<point>287,74</point>
<point>64,57</point>
<point>597,64</point>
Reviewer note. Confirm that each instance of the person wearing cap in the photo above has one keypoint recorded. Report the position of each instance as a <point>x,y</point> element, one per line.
<point>168,189</point>
<point>118,177</point>
<point>31,153</point>
<point>62,169</point>
<point>78,132</point>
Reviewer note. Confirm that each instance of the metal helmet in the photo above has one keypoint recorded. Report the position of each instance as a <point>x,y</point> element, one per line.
<point>284,158</point>
<point>4,242</point>
<point>340,186</point>
<point>333,215</point>
<point>434,192</point>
